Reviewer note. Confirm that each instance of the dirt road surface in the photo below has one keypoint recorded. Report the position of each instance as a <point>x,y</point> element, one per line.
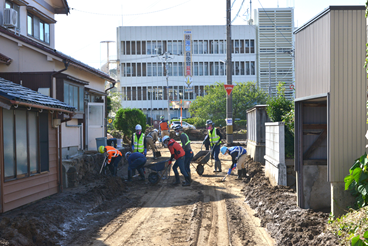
<point>105,210</point>
<point>206,213</point>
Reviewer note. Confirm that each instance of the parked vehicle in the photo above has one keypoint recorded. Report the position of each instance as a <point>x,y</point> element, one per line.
<point>185,125</point>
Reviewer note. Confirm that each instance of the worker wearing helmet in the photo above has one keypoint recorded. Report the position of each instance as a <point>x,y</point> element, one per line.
<point>139,141</point>
<point>215,141</point>
<point>136,161</point>
<point>151,139</point>
<point>185,144</point>
<point>164,129</point>
<point>238,157</point>
<point>178,154</point>
<point>113,157</point>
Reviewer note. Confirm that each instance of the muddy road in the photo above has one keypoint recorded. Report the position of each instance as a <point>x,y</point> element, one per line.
<point>208,212</point>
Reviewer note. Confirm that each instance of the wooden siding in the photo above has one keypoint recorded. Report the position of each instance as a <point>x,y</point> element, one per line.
<point>1,160</point>
<point>348,91</point>
<point>20,192</point>
<point>312,59</point>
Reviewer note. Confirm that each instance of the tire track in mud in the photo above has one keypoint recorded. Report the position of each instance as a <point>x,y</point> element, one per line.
<point>118,231</point>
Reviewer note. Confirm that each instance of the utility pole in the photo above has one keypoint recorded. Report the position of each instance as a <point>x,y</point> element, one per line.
<point>164,59</point>
<point>167,87</point>
<point>229,101</point>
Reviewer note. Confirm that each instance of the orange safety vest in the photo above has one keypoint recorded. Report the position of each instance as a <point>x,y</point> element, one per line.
<point>176,149</point>
<point>164,126</point>
<point>112,152</point>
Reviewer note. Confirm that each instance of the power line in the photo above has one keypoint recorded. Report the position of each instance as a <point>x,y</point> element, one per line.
<point>120,15</point>
<point>237,14</point>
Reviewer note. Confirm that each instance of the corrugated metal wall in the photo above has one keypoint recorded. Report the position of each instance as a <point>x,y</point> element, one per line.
<point>312,59</point>
<point>348,90</point>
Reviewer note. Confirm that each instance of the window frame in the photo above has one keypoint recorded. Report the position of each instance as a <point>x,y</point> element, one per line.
<point>42,159</point>
<point>80,108</point>
<point>44,25</point>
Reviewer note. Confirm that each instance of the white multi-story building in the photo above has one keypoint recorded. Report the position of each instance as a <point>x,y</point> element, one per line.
<point>275,46</point>
<point>142,73</point>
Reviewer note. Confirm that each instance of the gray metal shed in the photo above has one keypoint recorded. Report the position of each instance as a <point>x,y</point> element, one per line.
<point>330,105</point>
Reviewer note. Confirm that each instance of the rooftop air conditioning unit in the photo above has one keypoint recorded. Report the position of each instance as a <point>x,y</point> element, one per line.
<point>10,17</point>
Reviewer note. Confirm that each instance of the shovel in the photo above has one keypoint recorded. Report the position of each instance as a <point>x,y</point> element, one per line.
<point>228,173</point>
<point>103,164</point>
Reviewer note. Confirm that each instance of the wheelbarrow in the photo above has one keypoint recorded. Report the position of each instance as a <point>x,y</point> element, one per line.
<point>157,171</point>
<point>201,158</point>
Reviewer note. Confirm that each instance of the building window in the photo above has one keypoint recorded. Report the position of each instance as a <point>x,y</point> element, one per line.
<point>252,68</point>
<point>247,69</point>
<point>25,143</point>
<point>252,46</point>
<point>74,96</point>
<point>180,47</point>
<point>11,5</point>
<point>38,29</point>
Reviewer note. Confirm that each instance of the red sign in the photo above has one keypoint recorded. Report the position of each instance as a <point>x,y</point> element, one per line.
<point>229,89</point>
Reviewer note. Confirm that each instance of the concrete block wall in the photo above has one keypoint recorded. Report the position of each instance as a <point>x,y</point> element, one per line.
<point>275,167</point>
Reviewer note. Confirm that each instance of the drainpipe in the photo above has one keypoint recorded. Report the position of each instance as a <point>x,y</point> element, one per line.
<point>60,163</point>
<point>112,86</point>
<point>66,64</point>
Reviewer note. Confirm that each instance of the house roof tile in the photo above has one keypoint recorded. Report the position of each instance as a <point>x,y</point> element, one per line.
<point>59,54</point>
<point>16,92</point>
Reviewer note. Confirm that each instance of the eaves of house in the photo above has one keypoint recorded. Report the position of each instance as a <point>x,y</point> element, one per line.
<point>18,95</point>
<point>53,53</point>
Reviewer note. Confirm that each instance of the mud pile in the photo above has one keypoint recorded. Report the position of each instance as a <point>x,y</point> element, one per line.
<point>46,222</point>
<point>285,221</point>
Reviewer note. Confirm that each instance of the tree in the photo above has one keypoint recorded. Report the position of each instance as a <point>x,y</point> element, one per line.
<point>113,102</point>
<point>281,109</point>
<point>213,104</point>
<point>126,120</point>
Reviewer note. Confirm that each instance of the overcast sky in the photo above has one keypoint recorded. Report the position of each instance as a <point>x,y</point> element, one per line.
<point>91,21</point>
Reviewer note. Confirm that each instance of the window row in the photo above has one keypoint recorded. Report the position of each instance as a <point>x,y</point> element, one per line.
<point>25,143</point>
<point>177,69</point>
<point>219,68</point>
<point>133,93</point>
<point>241,46</point>
<point>38,29</point>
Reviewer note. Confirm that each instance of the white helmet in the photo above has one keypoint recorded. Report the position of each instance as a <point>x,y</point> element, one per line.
<point>165,138</point>
<point>138,127</point>
<point>127,154</point>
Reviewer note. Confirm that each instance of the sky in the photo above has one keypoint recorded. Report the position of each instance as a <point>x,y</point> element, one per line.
<point>90,22</point>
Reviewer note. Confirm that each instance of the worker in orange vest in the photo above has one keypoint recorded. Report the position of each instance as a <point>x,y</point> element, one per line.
<point>164,129</point>
<point>178,154</point>
<point>113,157</point>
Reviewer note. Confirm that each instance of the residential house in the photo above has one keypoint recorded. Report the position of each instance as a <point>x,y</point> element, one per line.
<point>29,139</point>
<point>28,58</point>
<point>33,62</point>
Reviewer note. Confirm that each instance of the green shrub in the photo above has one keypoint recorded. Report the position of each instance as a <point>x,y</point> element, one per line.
<point>241,123</point>
<point>199,122</point>
<point>279,107</point>
<point>126,120</point>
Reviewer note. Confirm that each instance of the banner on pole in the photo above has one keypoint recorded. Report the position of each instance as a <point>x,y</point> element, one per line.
<point>229,88</point>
